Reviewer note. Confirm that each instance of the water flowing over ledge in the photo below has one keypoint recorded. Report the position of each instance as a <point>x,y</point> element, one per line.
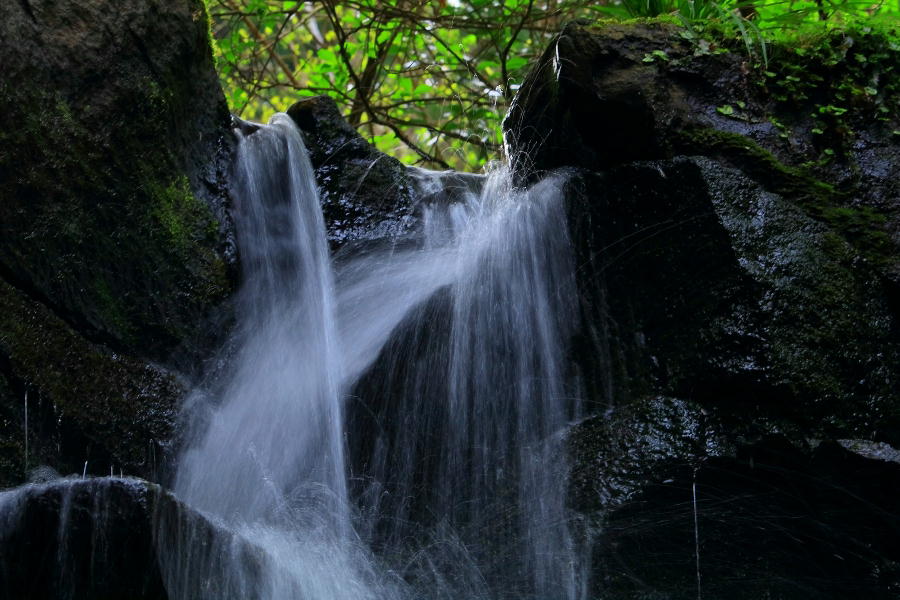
<point>460,490</point>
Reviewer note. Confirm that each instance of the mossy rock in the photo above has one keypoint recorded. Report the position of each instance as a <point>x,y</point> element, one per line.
<point>89,408</point>
<point>604,95</point>
<point>116,249</point>
<point>114,145</point>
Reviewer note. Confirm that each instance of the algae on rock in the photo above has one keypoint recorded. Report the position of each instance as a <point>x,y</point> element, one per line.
<point>116,247</point>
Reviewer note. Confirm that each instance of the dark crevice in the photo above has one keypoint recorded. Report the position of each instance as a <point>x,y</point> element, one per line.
<point>28,10</point>
<point>145,54</point>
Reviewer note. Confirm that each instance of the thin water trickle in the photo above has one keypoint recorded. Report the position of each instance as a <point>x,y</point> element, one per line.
<point>448,356</point>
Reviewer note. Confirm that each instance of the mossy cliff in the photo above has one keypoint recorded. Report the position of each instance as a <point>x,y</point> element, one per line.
<point>742,233</point>
<point>114,145</point>
<point>737,233</point>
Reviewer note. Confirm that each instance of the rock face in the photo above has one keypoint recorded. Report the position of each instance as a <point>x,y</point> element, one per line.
<point>736,233</point>
<point>738,278</point>
<point>114,145</point>
<point>366,195</point>
<point>111,538</point>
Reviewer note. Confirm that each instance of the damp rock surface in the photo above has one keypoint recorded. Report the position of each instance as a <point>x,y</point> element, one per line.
<point>366,195</point>
<point>116,252</point>
<point>738,293</point>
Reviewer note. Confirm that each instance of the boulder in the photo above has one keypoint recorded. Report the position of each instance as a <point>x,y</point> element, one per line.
<point>366,195</point>
<point>115,144</point>
<point>773,520</point>
<point>697,283</point>
<point>117,538</point>
<point>815,121</point>
<point>737,252</point>
<point>116,249</point>
<point>91,538</point>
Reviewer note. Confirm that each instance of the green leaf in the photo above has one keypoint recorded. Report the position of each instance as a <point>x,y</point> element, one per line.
<point>515,63</point>
<point>327,55</point>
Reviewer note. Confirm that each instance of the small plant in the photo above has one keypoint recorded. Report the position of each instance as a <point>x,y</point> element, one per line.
<point>656,55</point>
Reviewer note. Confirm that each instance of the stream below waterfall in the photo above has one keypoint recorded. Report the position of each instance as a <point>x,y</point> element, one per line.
<point>389,426</point>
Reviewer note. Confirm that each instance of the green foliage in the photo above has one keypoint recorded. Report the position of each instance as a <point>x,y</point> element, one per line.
<point>428,82</point>
<point>830,77</point>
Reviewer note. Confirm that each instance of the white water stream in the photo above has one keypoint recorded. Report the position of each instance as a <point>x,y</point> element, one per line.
<point>448,479</point>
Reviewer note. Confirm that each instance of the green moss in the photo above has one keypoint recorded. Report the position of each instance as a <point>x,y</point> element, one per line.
<point>862,226</point>
<point>619,28</point>
<point>837,80</point>
<point>754,159</point>
<point>203,13</point>
<point>184,218</point>
<point>112,310</point>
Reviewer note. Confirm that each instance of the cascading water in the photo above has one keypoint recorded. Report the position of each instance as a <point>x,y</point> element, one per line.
<point>449,356</point>
<point>275,442</point>
<point>269,466</point>
<point>466,478</point>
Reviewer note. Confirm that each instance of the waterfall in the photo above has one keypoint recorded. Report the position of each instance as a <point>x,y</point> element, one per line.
<point>269,466</point>
<point>391,424</point>
<point>466,477</point>
<point>274,442</point>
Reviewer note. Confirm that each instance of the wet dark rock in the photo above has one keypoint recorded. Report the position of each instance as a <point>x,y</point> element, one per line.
<point>77,539</point>
<point>111,538</point>
<point>603,96</point>
<point>444,187</point>
<point>740,319</point>
<point>699,284</point>
<point>116,249</point>
<point>616,455</point>
<point>592,102</point>
<point>773,520</point>
<point>776,516</point>
<point>366,195</point>
<point>114,148</point>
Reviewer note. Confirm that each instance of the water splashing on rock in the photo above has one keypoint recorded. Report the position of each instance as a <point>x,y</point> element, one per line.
<point>448,352</point>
